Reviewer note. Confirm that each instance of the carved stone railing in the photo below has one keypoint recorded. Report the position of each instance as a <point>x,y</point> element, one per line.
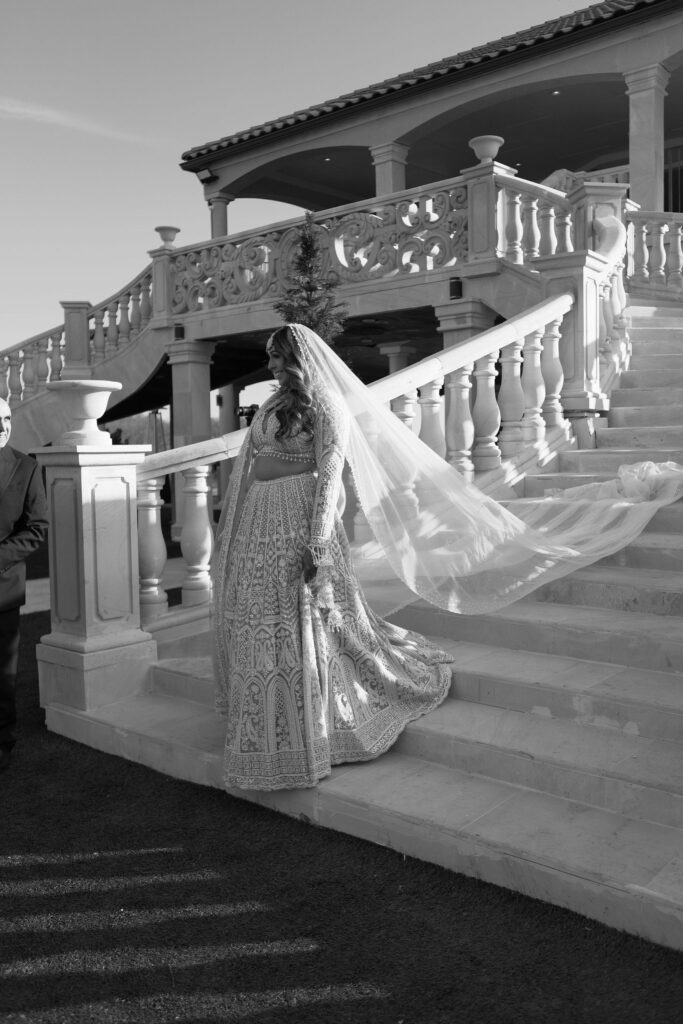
<point>534,220</point>
<point>26,368</point>
<point>655,252</point>
<point>418,230</point>
<point>514,422</point>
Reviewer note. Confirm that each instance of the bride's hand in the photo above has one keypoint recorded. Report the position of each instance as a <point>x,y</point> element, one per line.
<point>310,568</point>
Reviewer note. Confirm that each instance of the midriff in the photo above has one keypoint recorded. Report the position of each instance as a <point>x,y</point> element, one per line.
<point>269,467</point>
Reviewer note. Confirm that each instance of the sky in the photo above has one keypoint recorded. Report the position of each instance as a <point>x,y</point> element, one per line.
<point>100,98</point>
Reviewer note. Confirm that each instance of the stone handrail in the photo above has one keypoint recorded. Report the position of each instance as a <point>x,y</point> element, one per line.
<point>523,419</point>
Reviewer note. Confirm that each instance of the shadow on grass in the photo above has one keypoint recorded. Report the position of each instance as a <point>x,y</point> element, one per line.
<point>128,896</point>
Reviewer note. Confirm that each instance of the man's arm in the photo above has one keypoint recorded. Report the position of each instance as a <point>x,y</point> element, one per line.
<point>31,526</point>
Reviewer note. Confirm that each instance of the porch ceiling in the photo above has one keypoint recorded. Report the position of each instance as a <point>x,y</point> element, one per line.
<point>581,125</point>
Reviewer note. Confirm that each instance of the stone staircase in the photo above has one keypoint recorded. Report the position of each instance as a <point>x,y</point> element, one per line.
<point>556,769</point>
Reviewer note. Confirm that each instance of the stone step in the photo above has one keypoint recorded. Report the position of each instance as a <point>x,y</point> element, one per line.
<point>668,331</point>
<point>645,416</point>
<point>660,396</point>
<point>657,342</point>
<point>188,678</point>
<point>650,379</point>
<point>665,436</point>
<point>637,701</point>
<point>606,460</point>
<point>632,775</point>
<point>610,696</point>
<point>539,484</point>
<point>624,588</point>
<point>646,358</point>
<point>651,550</point>
<point>619,870</point>
<point>632,639</point>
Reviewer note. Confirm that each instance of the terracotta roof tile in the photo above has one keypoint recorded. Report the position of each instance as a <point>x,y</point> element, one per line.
<point>548,30</point>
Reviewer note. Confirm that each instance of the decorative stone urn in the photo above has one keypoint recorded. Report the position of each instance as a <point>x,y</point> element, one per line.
<point>83,402</point>
<point>486,147</point>
<point>167,235</point>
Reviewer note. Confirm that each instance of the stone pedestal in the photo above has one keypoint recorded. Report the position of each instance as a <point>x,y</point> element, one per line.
<point>96,652</point>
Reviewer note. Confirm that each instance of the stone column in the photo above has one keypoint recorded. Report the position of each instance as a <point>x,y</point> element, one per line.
<point>646,91</point>
<point>76,340</point>
<point>191,375</point>
<point>218,207</point>
<point>227,422</point>
<point>96,652</point>
<point>389,160</point>
<point>191,418</point>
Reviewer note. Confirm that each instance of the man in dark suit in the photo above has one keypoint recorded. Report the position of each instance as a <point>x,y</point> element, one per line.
<point>23,525</point>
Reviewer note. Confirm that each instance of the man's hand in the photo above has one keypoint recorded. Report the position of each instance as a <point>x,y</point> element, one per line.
<point>310,568</point>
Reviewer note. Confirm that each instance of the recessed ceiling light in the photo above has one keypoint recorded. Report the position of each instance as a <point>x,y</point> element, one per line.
<point>556,92</point>
<point>328,159</point>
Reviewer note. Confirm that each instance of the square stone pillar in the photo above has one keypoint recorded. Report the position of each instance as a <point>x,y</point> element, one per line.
<point>646,92</point>
<point>96,652</point>
<point>389,160</point>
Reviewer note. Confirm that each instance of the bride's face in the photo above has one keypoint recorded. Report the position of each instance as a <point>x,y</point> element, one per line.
<point>276,364</point>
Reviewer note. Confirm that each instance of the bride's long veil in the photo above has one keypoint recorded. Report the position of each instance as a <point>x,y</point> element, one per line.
<point>447,541</point>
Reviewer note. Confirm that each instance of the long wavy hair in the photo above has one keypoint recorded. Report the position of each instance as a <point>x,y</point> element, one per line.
<point>296,408</point>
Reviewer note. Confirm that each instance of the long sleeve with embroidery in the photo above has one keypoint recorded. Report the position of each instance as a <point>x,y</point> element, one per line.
<point>331,436</point>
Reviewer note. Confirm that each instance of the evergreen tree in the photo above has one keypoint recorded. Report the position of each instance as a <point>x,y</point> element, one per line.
<point>310,298</point>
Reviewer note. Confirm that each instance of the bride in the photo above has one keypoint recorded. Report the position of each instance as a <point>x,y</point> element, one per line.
<point>307,675</point>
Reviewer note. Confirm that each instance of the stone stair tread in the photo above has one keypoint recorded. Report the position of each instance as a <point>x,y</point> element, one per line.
<point>672,580</point>
<point>508,834</point>
<point>657,540</point>
<point>556,742</point>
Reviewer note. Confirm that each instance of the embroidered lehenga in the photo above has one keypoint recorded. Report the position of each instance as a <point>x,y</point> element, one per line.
<point>310,676</point>
<point>307,676</point>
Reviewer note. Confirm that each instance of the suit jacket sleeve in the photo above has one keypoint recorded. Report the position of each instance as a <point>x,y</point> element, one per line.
<point>30,527</point>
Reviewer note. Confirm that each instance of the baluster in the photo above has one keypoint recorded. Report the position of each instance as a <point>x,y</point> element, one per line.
<point>99,341</point>
<point>533,424</point>
<point>486,415</point>
<point>553,375</point>
<point>196,538</point>
<point>459,422</point>
<point>42,366</point>
<point>135,311</point>
<point>674,263</point>
<point>513,227</point>
<point>145,300</point>
<point>152,551</point>
<point>405,408</point>
<point>641,253</point>
<point>658,253</point>
<point>563,227</point>
<point>511,400</point>
<point>112,339</point>
<point>14,380</point>
<point>4,366</point>
<point>531,235</point>
<point>124,322</point>
<point>56,357</point>
<point>546,223</point>
<point>29,371</point>
<point>431,429</point>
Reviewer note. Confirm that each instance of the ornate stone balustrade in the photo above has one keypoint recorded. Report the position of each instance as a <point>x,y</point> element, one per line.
<point>655,252</point>
<point>417,231</point>
<point>88,336</point>
<point>475,437</point>
<point>25,369</point>
<point>534,220</point>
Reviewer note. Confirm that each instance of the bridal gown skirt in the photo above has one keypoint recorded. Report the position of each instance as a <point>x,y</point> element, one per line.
<point>307,680</point>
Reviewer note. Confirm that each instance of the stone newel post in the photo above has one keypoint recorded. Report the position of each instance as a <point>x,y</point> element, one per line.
<point>96,652</point>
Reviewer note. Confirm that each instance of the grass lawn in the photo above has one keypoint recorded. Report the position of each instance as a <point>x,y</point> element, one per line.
<point>131,897</point>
